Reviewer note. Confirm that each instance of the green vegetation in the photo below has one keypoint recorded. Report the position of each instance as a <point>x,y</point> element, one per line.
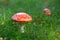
<point>41,28</point>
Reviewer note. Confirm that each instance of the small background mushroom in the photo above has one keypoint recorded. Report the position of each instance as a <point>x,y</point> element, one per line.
<point>1,38</point>
<point>47,11</point>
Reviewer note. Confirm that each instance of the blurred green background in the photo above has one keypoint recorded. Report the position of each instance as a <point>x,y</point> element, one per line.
<point>41,28</point>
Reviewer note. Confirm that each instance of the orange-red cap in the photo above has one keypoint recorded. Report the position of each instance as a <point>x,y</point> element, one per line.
<point>47,12</point>
<point>22,17</point>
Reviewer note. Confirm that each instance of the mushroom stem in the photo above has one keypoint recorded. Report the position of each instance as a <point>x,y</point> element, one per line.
<point>22,28</point>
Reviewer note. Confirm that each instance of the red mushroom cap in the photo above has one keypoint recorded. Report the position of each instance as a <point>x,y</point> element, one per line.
<point>47,12</point>
<point>22,17</point>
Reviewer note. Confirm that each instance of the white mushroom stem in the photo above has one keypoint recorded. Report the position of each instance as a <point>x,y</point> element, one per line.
<point>22,29</point>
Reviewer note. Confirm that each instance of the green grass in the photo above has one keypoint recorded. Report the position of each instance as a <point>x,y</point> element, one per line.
<point>41,28</point>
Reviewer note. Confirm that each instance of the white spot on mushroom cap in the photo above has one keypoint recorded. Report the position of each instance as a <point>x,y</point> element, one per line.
<point>20,13</point>
<point>45,9</point>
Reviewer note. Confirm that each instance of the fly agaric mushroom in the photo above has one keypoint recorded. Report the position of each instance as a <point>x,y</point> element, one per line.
<point>1,38</point>
<point>22,18</point>
<point>47,12</point>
